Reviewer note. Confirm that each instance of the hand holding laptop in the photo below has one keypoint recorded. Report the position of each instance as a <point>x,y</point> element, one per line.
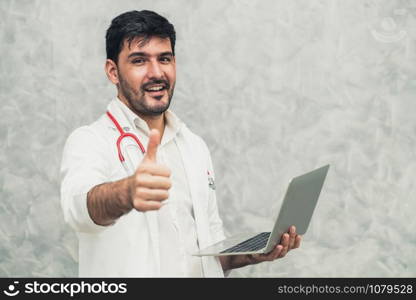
<point>296,211</point>
<point>290,240</point>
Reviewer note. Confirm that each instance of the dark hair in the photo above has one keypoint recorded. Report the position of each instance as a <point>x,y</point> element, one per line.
<point>132,24</point>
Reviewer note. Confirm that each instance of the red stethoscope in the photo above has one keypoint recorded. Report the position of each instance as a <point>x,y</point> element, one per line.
<point>122,136</point>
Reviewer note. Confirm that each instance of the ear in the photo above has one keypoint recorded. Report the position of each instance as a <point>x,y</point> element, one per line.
<point>110,69</point>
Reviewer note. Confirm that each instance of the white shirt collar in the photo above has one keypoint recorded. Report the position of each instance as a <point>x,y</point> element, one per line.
<point>172,123</point>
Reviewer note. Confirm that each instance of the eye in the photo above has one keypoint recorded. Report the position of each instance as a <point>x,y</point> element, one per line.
<point>165,59</point>
<point>138,61</point>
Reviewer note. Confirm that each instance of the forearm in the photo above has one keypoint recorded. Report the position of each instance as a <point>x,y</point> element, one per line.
<point>234,261</point>
<point>108,201</point>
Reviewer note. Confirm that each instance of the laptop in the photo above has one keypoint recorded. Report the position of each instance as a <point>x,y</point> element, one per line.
<point>297,208</point>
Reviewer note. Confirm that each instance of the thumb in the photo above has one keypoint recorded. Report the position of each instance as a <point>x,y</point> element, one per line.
<point>154,141</point>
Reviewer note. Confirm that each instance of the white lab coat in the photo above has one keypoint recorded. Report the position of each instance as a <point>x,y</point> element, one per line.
<point>129,248</point>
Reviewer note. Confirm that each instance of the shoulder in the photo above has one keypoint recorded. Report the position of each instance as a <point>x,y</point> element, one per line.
<point>94,134</point>
<point>194,138</point>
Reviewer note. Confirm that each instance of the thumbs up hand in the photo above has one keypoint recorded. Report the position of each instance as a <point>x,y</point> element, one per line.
<point>154,141</point>
<point>150,184</point>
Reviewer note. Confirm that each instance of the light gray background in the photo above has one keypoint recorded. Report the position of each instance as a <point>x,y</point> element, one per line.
<point>276,88</point>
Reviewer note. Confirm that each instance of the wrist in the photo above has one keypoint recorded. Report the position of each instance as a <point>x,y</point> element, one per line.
<point>125,194</point>
<point>239,261</point>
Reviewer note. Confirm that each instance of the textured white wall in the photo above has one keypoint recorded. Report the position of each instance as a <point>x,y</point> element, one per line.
<point>276,88</point>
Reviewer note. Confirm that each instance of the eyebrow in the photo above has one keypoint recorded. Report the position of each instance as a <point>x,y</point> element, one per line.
<point>144,54</point>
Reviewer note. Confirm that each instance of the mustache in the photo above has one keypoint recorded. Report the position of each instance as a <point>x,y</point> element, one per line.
<point>156,81</point>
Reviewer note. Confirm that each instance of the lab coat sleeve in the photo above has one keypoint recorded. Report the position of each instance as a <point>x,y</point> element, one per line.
<point>84,165</point>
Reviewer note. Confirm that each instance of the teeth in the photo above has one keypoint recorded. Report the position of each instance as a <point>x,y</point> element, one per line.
<point>155,88</point>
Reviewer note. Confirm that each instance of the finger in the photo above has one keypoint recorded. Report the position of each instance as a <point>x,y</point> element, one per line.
<point>285,244</point>
<point>154,141</point>
<point>147,205</point>
<point>276,252</point>
<point>151,194</point>
<point>292,237</point>
<point>154,169</point>
<point>297,241</point>
<point>272,255</point>
<point>284,241</point>
<point>154,181</point>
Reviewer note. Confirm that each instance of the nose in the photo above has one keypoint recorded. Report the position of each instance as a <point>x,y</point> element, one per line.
<point>154,70</point>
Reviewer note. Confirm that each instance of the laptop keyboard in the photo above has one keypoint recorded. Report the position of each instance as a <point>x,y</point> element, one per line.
<point>253,244</point>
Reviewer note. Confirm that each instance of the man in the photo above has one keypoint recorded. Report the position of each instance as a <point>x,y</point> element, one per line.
<point>144,215</point>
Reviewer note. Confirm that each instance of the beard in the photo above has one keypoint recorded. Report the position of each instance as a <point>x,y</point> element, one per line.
<point>136,98</point>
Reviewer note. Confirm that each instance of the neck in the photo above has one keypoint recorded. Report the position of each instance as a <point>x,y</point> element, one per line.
<point>153,122</point>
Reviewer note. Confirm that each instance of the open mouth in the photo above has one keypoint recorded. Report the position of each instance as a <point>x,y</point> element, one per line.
<point>155,88</point>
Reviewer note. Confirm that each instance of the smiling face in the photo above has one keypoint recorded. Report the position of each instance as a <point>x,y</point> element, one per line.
<point>145,75</point>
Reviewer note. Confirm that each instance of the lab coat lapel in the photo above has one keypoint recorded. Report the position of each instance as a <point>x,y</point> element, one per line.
<point>151,216</point>
<point>192,158</point>
<point>192,170</point>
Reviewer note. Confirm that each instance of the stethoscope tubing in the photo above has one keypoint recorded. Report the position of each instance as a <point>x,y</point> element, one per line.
<point>123,135</point>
